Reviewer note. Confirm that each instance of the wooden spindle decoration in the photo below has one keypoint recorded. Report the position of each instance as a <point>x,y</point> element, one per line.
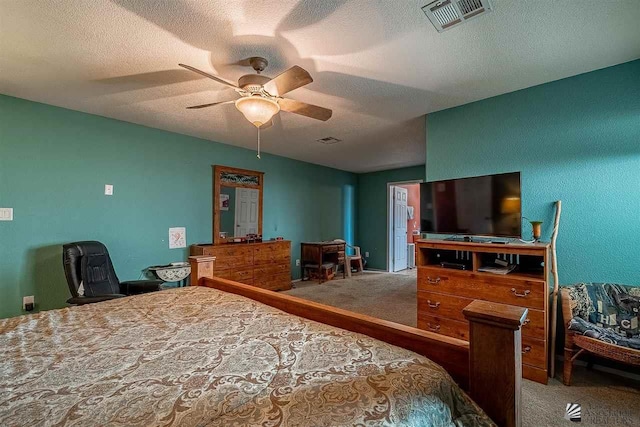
<point>554,270</point>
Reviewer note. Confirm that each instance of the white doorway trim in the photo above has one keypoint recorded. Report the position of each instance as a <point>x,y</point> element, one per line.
<point>390,186</point>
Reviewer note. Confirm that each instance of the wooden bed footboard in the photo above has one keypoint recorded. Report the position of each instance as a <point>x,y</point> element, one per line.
<point>489,366</point>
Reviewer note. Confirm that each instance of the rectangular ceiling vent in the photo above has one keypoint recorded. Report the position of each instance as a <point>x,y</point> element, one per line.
<point>445,14</point>
<point>329,140</point>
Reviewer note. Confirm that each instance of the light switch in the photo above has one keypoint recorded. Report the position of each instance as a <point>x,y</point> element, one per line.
<point>108,190</point>
<point>6,214</point>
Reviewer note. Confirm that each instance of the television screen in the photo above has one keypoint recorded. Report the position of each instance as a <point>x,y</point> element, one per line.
<point>483,206</point>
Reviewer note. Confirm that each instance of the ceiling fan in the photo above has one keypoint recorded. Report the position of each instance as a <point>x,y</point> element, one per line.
<point>261,97</point>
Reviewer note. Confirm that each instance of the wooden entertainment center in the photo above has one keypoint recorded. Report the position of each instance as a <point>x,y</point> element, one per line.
<point>443,292</point>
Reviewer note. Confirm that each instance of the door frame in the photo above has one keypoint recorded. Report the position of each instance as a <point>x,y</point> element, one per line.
<point>390,186</point>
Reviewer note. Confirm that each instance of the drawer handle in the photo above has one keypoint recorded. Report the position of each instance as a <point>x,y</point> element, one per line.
<point>526,321</point>
<point>433,328</point>
<point>433,305</point>
<point>522,295</point>
<point>433,281</point>
<point>527,349</point>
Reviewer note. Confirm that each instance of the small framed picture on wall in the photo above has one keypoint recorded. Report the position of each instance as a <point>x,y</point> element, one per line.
<point>224,202</point>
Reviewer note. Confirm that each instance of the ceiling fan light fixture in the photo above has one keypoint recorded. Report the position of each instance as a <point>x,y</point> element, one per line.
<point>257,109</point>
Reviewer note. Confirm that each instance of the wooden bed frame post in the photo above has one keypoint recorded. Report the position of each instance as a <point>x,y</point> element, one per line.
<point>495,359</point>
<point>201,267</point>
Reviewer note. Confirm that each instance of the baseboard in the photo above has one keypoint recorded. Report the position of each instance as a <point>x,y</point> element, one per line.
<point>600,368</point>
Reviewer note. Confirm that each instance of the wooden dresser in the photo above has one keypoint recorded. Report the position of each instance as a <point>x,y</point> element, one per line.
<point>266,265</point>
<point>444,292</point>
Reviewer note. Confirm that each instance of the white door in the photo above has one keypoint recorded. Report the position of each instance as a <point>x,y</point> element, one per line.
<point>246,209</point>
<point>399,228</point>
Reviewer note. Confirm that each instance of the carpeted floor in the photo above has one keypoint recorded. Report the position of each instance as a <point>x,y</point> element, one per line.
<point>385,296</point>
<point>606,399</point>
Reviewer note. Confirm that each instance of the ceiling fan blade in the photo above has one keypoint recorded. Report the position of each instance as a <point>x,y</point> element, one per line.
<point>304,109</point>
<point>291,79</point>
<point>202,73</point>
<point>195,107</point>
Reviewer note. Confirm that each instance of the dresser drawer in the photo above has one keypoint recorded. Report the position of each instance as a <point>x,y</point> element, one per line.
<point>279,282</point>
<point>242,275</point>
<point>451,328</point>
<point>272,270</point>
<point>232,256</point>
<point>534,325</point>
<point>534,352</point>
<point>505,290</point>
<point>442,305</point>
<point>271,253</point>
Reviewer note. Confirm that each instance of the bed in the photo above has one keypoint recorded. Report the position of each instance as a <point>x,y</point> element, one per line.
<point>198,356</point>
<point>225,353</point>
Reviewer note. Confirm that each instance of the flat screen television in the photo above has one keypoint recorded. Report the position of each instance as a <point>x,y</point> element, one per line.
<point>479,206</point>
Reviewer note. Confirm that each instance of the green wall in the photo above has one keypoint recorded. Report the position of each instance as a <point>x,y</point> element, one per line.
<point>54,164</point>
<point>372,211</point>
<point>228,218</point>
<point>575,140</point>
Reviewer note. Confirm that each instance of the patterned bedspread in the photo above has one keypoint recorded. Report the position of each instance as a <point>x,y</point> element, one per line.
<point>200,357</point>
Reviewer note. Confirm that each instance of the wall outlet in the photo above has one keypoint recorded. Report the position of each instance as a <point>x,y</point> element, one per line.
<point>108,190</point>
<point>6,214</point>
<point>28,303</point>
<point>366,254</point>
<point>297,263</point>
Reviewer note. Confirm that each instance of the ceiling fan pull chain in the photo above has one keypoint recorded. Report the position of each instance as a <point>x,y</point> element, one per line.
<point>258,155</point>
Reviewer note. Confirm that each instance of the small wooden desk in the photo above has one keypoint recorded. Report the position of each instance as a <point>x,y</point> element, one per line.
<point>321,252</point>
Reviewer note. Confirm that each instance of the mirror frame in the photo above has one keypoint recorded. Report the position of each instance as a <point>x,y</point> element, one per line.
<point>218,170</point>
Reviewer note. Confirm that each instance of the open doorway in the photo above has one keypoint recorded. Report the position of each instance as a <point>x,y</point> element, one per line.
<point>403,224</point>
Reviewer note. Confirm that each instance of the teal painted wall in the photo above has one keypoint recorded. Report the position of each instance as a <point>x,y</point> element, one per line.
<point>372,211</point>
<point>575,140</point>
<point>228,218</point>
<point>54,164</point>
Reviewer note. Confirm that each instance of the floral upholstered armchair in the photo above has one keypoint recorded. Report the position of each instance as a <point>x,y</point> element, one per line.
<point>601,319</point>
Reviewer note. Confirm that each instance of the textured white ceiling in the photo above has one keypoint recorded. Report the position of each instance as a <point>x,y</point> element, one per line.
<point>380,65</point>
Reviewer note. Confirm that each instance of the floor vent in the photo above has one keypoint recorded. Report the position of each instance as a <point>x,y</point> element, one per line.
<point>329,140</point>
<point>445,14</point>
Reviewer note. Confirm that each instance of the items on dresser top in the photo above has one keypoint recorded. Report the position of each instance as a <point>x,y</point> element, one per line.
<point>265,265</point>
<point>444,292</point>
<point>316,254</point>
<point>498,269</point>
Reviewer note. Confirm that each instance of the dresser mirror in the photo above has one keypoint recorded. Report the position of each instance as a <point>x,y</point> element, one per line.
<point>237,203</point>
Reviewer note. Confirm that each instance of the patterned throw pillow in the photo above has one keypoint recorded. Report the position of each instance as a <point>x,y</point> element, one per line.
<point>581,305</point>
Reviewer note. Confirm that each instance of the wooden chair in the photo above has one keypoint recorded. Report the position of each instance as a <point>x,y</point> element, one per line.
<point>576,344</point>
<point>356,257</point>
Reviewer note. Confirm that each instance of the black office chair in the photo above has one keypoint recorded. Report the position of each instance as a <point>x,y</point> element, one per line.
<point>91,277</point>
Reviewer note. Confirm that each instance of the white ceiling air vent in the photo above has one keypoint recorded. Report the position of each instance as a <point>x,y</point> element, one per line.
<point>328,140</point>
<point>445,14</point>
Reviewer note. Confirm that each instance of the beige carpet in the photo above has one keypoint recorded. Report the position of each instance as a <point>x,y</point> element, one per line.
<point>385,296</point>
<point>606,399</point>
